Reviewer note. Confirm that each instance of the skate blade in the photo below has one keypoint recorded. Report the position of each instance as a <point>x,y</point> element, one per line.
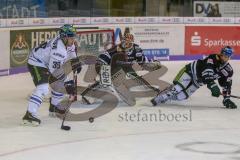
<point>28,123</point>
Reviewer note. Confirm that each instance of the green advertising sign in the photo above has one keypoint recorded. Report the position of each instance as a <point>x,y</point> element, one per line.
<point>22,41</point>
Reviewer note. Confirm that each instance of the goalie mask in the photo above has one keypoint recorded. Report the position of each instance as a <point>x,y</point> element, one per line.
<point>127,42</point>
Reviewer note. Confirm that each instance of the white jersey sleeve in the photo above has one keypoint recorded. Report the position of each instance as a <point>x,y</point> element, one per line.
<point>39,56</point>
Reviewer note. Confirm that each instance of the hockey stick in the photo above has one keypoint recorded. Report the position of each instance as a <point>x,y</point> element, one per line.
<point>75,84</point>
<point>65,127</point>
<point>233,96</point>
<point>237,97</point>
<point>71,99</point>
<point>69,102</point>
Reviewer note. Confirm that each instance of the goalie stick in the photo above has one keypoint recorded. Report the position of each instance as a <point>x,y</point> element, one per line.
<point>141,81</point>
<point>87,90</point>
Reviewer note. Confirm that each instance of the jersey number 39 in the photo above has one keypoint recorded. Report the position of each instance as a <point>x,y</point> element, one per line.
<point>56,65</point>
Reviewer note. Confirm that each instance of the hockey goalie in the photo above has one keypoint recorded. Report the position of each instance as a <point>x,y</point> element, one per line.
<point>113,65</point>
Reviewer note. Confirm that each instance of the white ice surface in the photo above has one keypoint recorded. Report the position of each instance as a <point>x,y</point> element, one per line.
<point>213,132</point>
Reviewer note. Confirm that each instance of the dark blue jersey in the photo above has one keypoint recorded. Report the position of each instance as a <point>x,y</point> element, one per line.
<point>211,68</point>
<point>133,54</point>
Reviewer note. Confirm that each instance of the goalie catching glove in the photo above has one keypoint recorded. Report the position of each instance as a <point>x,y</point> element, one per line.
<point>152,66</point>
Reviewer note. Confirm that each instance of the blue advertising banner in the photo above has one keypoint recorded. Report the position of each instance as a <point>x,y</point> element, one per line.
<point>154,54</point>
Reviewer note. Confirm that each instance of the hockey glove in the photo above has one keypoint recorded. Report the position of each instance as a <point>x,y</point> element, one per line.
<point>151,66</point>
<point>70,87</point>
<point>229,104</point>
<point>78,70</point>
<point>214,89</point>
<point>76,64</point>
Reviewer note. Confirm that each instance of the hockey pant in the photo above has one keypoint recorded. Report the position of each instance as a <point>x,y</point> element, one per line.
<point>182,88</point>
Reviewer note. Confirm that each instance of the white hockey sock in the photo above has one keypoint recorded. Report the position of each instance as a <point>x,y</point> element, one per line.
<point>57,97</point>
<point>36,98</point>
<point>34,103</point>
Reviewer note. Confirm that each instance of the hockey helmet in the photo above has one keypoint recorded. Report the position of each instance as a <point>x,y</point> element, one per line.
<point>67,30</point>
<point>227,51</point>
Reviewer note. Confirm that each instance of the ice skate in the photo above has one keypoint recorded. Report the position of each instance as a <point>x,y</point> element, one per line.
<point>53,110</point>
<point>30,119</point>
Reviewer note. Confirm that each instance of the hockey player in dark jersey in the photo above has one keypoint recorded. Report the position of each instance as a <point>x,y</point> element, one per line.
<point>130,50</point>
<point>199,73</point>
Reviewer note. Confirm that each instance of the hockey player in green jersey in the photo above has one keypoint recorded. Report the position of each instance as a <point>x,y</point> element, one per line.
<point>199,73</point>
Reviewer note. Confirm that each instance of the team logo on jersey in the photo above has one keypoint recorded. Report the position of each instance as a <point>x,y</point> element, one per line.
<point>210,61</point>
<point>58,55</point>
<point>19,50</point>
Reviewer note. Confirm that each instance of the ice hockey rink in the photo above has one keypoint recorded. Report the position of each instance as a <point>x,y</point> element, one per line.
<point>210,132</point>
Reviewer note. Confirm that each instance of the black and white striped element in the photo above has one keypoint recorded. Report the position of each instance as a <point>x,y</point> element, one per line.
<point>105,75</point>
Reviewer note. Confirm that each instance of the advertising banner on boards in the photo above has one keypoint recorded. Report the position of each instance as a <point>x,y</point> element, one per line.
<point>210,39</point>
<point>22,41</point>
<point>156,41</point>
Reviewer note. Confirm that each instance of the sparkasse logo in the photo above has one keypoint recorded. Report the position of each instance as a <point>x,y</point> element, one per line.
<point>196,39</point>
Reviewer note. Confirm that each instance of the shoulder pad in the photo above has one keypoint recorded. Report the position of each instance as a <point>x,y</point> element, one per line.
<point>113,49</point>
<point>213,56</point>
<point>54,43</point>
<point>137,48</point>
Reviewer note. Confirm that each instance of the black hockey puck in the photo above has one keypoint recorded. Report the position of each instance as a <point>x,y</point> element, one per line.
<point>66,128</point>
<point>91,119</point>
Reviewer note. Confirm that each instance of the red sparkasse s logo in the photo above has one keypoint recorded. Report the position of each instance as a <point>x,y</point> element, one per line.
<point>210,39</point>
